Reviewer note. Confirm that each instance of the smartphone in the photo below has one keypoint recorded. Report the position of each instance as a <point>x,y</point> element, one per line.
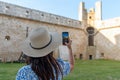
<point>65,37</point>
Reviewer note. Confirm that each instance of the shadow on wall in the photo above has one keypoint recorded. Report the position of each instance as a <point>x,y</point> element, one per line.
<point>107,42</point>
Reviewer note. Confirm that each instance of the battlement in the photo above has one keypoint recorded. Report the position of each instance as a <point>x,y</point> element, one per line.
<point>111,22</point>
<point>114,22</point>
<point>22,12</point>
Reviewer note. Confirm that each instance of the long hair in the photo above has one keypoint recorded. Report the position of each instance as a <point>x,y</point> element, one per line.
<point>46,67</point>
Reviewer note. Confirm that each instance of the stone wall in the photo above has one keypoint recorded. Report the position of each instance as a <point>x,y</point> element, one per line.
<point>108,23</point>
<point>107,39</point>
<point>16,22</point>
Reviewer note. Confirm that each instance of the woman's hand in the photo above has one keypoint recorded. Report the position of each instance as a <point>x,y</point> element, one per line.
<point>69,44</point>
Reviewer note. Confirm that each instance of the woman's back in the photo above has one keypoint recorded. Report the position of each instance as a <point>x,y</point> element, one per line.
<point>26,72</point>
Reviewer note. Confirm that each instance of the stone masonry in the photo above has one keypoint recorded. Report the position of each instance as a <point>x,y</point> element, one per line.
<point>92,37</point>
<point>16,22</point>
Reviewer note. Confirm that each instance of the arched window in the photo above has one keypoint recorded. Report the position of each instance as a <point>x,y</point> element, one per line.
<point>90,31</point>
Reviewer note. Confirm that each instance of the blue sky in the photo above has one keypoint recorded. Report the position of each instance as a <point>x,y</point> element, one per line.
<point>69,8</point>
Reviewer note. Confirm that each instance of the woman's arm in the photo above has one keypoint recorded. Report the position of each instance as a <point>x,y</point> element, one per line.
<point>71,57</point>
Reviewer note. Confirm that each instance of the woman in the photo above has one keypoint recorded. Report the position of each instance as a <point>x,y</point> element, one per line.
<point>38,48</point>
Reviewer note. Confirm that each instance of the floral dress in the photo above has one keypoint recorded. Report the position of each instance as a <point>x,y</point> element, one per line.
<point>26,72</point>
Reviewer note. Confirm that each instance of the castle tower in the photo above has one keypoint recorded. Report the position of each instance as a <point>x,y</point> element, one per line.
<point>94,15</point>
<point>82,12</point>
<point>91,17</point>
<point>98,10</point>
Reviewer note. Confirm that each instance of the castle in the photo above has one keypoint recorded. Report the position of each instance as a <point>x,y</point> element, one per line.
<point>92,37</point>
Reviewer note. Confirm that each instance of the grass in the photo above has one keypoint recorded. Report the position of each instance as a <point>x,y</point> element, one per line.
<point>8,70</point>
<point>95,70</point>
<point>84,70</point>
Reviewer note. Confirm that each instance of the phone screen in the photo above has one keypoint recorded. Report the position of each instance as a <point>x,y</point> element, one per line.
<point>65,37</point>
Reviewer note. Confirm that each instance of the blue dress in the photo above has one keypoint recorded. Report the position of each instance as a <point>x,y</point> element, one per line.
<point>26,72</point>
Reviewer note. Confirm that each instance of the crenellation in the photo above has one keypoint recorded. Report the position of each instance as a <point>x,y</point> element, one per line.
<point>112,22</point>
<point>17,11</point>
<point>109,23</point>
<point>98,10</point>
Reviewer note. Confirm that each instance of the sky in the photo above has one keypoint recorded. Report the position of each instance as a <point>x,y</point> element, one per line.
<point>69,8</point>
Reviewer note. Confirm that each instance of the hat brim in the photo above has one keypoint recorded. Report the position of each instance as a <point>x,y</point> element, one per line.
<point>29,51</point>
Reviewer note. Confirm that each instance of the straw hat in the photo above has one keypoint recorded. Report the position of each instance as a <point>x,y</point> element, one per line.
<point>40,42</point>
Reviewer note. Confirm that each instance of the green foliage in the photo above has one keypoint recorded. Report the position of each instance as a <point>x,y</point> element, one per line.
<point>83,70</point>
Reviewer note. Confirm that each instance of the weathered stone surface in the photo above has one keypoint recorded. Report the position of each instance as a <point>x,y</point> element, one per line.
<point>16,22</point>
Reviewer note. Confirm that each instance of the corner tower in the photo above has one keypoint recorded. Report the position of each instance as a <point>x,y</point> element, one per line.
<point>89,19</point>
<point>93,16</point>
<point>98,11</point>
<point>82,12</point>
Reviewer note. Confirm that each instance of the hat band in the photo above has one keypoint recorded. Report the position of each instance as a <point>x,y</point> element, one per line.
<point>43,46</point>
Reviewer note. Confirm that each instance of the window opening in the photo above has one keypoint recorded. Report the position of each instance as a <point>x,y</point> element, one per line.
<point>7,38</point>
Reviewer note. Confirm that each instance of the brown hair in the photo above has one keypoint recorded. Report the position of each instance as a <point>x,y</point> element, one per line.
<point>46,67</point>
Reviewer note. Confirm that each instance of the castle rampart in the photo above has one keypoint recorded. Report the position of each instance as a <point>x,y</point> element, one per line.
<point>21,12</point>
<point>16,22</point>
